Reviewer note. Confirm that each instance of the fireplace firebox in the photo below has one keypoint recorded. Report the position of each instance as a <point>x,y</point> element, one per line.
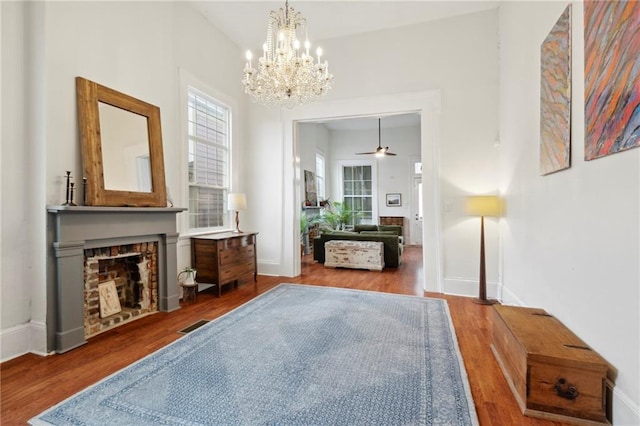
<point>132,268</point>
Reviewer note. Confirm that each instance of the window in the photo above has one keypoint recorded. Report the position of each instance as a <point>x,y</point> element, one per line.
<point>208,128</point>
<point>357,184</point>
<point>320,173</point>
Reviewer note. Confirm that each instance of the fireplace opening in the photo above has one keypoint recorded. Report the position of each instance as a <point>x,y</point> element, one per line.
<point>120,285</point>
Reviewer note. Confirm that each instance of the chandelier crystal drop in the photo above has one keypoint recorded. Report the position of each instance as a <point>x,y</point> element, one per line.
<point>286,75</point>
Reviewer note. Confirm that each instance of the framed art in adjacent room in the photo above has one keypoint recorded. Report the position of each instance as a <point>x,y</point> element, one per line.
<point>394,200</point>
<point>311,197</point>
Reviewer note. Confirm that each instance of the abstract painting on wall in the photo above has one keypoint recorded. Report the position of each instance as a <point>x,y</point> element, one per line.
<point>555,97</point>
<point>612,77</point>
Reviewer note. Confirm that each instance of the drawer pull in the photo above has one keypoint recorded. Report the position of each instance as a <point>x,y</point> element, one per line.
<point>565,390</point>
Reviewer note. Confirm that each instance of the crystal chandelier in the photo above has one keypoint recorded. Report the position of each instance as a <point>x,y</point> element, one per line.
<point>286,75</point>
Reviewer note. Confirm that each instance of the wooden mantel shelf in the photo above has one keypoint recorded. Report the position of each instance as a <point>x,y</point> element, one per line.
<point>99,209</point>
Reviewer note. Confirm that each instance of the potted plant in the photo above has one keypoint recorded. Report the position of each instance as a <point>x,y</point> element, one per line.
<point>338,214</point>
<point>189,276</point>
<point>308,228</point>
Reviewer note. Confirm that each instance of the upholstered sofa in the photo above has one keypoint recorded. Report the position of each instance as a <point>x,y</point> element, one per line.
<point>389,235</point>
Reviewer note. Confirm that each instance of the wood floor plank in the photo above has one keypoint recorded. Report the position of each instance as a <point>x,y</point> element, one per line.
<point>30,384</point>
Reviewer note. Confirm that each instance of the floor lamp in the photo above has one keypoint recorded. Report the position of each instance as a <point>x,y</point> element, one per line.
<point>237,202</point>
<point>483,205</point>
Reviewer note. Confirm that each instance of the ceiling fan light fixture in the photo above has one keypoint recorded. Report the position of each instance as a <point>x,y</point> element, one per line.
<point>380,151</point>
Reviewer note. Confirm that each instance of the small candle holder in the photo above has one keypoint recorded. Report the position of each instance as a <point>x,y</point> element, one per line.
<point>71,203</point>
<point>68,196</point>
<point>84,191</point>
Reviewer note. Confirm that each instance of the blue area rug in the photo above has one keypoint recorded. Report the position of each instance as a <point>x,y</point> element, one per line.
<point>296,355</point>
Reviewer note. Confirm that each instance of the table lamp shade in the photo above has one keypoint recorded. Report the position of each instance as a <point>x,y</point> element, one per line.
<point>483,205</point>
<point>236,202</point>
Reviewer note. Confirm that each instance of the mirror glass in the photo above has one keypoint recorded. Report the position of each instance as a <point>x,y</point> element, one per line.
<point>125,150</point>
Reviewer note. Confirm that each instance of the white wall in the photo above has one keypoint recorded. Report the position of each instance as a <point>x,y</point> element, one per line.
<point>15,276</point>
<point>459,57</point>
<point>135,47</point>
<point>264,161</point>
<point>571,239</point>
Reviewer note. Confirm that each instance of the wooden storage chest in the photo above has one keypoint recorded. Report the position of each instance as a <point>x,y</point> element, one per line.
<point>354,254</point>
<point>551,372</point>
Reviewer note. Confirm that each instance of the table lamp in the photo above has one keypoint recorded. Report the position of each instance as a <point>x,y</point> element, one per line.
<point>483,205</point>
<point>237,202</point>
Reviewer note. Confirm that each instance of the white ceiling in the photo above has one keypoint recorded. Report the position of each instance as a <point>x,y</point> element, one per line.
<point>245,23</point>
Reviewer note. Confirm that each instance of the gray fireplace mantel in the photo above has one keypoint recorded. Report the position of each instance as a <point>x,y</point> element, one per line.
<point>70,230</point>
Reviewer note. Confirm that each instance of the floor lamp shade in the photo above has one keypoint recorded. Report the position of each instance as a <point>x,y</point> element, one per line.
<point>483,205</point>
<point>236,202</point>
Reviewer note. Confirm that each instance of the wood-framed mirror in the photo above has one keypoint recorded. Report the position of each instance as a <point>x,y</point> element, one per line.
<point>121,140</point>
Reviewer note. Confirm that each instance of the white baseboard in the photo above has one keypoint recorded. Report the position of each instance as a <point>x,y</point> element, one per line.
<point>469,288</point>
<point>14,341</point>
<point>38,338</point>
<point>266,267</point>
<point>22,339</point>
<point>509,298</point>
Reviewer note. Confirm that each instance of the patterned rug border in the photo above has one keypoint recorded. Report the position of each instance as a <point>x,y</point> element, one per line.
<point>36,421</point>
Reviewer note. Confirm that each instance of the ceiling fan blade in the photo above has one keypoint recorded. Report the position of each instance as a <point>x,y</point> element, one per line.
<point>366,153</point>
<point>385,151</point>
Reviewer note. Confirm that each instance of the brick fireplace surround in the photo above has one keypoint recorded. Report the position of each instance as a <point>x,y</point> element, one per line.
<point>74,231</point>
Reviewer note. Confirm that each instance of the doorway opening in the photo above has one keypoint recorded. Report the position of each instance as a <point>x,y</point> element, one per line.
<point>426,105</point>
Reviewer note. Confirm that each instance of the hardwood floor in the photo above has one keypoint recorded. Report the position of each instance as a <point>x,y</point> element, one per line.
<point>30,384</point>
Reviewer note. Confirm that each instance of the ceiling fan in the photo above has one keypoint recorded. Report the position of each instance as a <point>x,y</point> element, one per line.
<point>380,151</point>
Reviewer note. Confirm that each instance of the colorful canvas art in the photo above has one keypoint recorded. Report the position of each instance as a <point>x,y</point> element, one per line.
<point>612,77</point>
<point>555,97</point>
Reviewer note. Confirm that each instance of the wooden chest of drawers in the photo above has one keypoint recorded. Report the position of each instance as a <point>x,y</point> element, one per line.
<point>224,258</point>
<point>394,220</point>
<point>552,373</point>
